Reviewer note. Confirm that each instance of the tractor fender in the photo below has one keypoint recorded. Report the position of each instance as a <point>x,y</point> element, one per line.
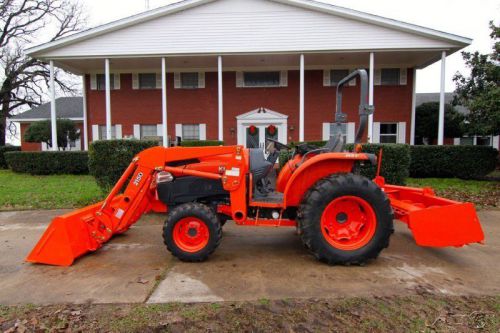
<point>316,168</point>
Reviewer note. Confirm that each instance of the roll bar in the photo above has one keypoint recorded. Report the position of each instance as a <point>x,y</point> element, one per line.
<point>365,109</point>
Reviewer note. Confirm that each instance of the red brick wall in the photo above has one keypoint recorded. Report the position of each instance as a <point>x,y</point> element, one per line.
<point>129,107</point>
<point>28,146</point>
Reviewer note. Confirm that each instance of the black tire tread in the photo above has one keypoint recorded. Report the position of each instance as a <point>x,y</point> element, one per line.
<point>201,211</point>
<point>308,222</point>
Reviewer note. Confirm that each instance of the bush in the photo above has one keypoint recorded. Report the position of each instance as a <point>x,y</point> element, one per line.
<point>395,161</point>
<point>109,159</point>
<point>3,150</point>
<point>201,143</point>
<point>48,162</point>
<point>466,162</point>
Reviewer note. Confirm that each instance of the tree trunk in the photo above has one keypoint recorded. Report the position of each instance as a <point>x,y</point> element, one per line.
<point>3,122</point>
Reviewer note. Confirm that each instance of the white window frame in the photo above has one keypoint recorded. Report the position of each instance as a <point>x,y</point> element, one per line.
<point>398,81</point>
<point>155,131</point>
<point>178,80</point>
<point>395,135</point>
<point>102,132</point>
<point>283,80</point>
<point>139,87</point>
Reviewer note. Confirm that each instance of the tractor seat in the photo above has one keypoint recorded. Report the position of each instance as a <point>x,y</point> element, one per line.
<point>259,166</point>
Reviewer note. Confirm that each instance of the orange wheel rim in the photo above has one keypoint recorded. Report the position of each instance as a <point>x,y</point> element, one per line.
<point>191,234</point>
<point>348,223</point>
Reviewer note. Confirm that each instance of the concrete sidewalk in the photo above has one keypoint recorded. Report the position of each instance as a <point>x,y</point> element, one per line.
<point>251,263</point>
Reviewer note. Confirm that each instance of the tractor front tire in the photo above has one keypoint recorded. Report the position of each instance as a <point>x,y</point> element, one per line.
<point>345,219</point>
<point>192,232</point>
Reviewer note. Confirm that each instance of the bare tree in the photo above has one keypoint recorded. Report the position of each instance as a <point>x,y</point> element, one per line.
<point>24,23</point>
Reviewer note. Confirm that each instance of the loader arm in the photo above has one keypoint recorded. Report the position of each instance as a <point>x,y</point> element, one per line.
<point>71,235</point>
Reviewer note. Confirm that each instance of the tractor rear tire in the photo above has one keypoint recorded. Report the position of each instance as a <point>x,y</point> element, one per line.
<point>345,219</point>
<point>192,232</point>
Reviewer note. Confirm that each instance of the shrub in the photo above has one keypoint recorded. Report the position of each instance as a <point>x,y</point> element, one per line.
<point>48,162</point>
<point>109,159</point>
<point>201,143</point>
<point>3,150</point>
<point>466,162</point>
<point>395,161</point>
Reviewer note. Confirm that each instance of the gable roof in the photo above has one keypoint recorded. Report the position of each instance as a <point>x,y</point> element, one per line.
<point>306,4</point>
<point>66,107</point>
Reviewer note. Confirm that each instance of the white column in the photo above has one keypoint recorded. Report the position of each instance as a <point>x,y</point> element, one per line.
<point>164,102</point>
<point>302,100</point>
<point>413,107</point>
<point>108,100</point>
<point>441,100</point>
<point>85,121</point>
<point>53,117</point>
<point>370,95</point>
<point>220,98</point>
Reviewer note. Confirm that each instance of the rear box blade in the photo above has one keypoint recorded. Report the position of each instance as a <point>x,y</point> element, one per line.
<point>450,225</point>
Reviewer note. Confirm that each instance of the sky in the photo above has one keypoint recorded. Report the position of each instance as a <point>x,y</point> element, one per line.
<point>461,17</point>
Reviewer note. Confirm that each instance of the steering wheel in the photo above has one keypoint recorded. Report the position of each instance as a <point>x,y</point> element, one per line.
<point>279,146</point>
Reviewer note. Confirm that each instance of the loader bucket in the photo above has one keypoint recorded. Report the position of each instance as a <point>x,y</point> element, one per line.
<point>66,238</point>
<point>434,221</point>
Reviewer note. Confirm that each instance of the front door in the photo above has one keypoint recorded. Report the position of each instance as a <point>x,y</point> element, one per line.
<point>256,135</point>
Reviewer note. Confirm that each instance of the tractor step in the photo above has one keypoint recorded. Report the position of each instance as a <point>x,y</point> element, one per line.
<point>273,199</point>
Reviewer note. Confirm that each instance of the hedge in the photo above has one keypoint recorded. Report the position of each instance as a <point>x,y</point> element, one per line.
<point>395,161</point>
<point>466,162</point>
<point>200,143</point>
<point>48,162</point>
<point>3,150</point>
<point>108,159</point>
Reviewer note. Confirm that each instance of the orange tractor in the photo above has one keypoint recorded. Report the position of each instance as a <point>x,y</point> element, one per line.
<point>341,216</point>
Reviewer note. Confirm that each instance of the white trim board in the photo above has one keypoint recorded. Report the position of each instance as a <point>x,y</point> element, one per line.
<point>306,4</point>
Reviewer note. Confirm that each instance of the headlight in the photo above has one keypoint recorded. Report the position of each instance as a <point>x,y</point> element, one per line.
<point>164,177</point>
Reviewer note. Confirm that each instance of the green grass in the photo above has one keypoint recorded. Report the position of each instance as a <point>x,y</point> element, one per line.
<point>23,191</point>
<point>442,184</point>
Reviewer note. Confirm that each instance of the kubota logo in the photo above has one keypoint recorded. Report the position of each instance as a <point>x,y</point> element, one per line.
<point>138,178</point>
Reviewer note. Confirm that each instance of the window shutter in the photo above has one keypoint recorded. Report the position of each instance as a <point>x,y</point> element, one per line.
<point>178,130</point>
<point>116,82</point>
<point>95,132</point>
<point>93,82</point>
<point>402,132</point>
<point>177,80</point>
<point>495,142</point>
<point>158,80</point>
<point>159,130</point>
<point>135,81</point>
<point>351,128</point>
<point>377,80</point>
<point>284,79</point>
<point>201,80</point>
<point>403,76</point>
<point>118,131</point>
<point>327,81</point>
<point>203,132</point>
<point>326,131</point>
<point>239,80</point>
<point>376,133</point>
<point>352,83</point>
<point>137,131</point>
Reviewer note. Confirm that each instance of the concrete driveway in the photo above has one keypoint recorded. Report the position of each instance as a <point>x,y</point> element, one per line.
<point>251,263</point>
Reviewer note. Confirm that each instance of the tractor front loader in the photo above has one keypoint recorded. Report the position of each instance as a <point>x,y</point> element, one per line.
<point>341,216</point>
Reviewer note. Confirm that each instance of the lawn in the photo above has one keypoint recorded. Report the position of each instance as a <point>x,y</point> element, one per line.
<point>22,191</point>
<point>483,193</point>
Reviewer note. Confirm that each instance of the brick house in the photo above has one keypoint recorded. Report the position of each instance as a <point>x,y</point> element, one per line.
<point>67,108</point>
<point>214,69</point>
